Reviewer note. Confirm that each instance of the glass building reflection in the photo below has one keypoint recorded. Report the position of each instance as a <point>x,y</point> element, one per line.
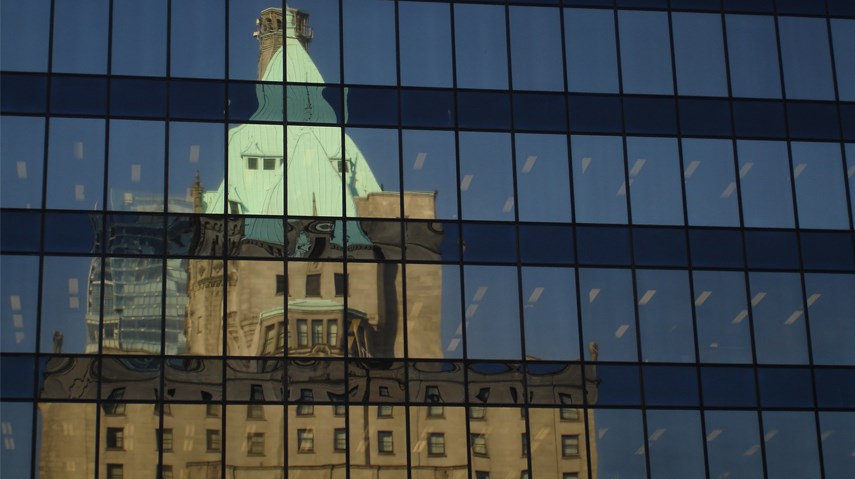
<point>406,239</point>
<point>287,397</point>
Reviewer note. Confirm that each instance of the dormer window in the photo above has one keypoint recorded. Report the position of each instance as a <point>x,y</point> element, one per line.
<point>266,164</point>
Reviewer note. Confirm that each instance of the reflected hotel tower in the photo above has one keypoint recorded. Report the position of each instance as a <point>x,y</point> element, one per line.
<point>284,403</point>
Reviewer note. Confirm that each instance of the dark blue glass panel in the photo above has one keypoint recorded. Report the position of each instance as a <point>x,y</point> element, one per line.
<point>847,118</point>
<point>243,100</point>
<point>129,234</point>
<point>716,248</point>
<point>841,7</point>
<point>371,106</point>
<point>728,387</point>
<point>540,112</point>
<point>495,243</point>
<point>25,235</point>
<point>595,114</point>
<point>759,119</point>
<point>197,99</point>
<point>826,250</point>
<point>813,120</point>
<point>23,93</point>
<point>670,386</point>
<point>78,95</point>
<point>696,4</point>
<point>705,117</point>
<point>785,387</point>
<point>756,6</point>
<point>483,110</point>
<point>427,108</point>
<point>73,232</point>
<point>650,115</point>
<point>801,7</point>
<point>590,3</point>
<point>138,97</point>
<point>546,244</point>
<point>835,388</point>
<point>660,247</point>
<point>772,249</point>
<point>618,384</point>
<point>643,3</point>
<point>16,379</point>
<point>603,245</point>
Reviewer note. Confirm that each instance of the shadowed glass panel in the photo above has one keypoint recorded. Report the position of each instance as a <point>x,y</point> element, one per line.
<point>22,153</point>
<point>779,323</point>
<point>753,56</point>
<point>589,37</point>
<point>699,54</point>
<point>480,46</point>
<point>608,315</point>
<point>599,187</point>
<point>708,172</point>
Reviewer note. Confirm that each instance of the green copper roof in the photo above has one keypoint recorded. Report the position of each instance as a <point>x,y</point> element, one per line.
<point>313,154</point>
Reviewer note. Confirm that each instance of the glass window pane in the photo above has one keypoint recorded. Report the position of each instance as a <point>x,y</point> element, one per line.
<point>433,316</point>
<point>608,314</point>
<point>480,46</point>
<point>536,49</point>
<point>675,442</point>
<point>764,174</point>
<point>843,38</point>
<point>733,444</point>
<point>617,435</point>
<point>665,316</point>
<point>806,59</point>
<point>136,165</point>
<point>369,42</point>
<point>22,155</point>
<point>820,188</point>
<point>71,302</point>
<point>830,305</point>
<point>195,148</point>
<point>198,38</point>
<point>429,167</point>
<point>753,56</point>
<point>850,175</point>
<point>19,290</point>
<point>645,51</point>
<point>76,163</point>
<point>551,325</point>
<point>699,54</point>
<point>779,325</point>
<point>838,442</point>
<point>708,172</point>
<point>80,36</point>
<point>654,178</point>
<point>24,35</point>
<point>314,191</point>
<point>589,37</point>
<point>255,38</point>
<point>313,44</point>
<point>598,179</point>
<point>790,440</point>
<point>543,179</point>
<point>724,334</point>
<point>486,176</point>
<point>425,41</point>
<point>492,312</point>
<point>139,38</point>
<point>378,149</point>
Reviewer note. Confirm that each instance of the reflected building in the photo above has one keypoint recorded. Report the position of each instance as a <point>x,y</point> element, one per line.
<point>286,404</point>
